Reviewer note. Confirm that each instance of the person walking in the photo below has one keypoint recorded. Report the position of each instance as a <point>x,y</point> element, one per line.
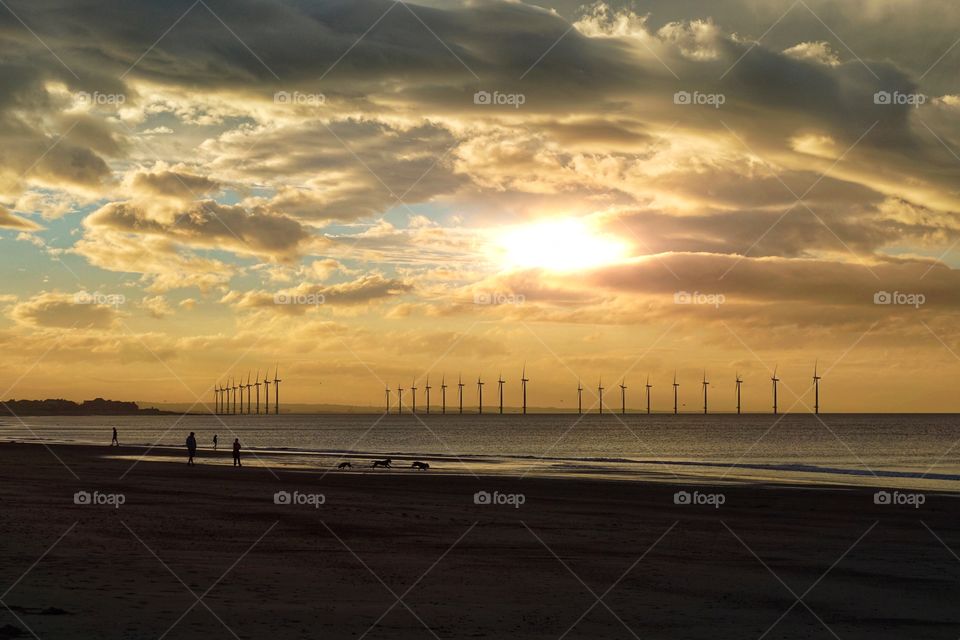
<point>236,452</point>
<point>191,448</point>
<point>214,442</point>
<point>115,442</point>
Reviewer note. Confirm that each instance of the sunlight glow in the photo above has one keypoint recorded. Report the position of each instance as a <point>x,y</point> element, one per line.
<point>559,245</point>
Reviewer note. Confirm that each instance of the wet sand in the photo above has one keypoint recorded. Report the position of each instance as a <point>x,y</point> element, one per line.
<point>409,554</point>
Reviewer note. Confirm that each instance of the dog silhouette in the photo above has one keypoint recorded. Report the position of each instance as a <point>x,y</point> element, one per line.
<point>422,466</point>
<point>344,465</point>
<point>382,463</point>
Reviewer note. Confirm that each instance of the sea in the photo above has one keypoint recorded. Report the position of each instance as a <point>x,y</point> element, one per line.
<point>918,452</point>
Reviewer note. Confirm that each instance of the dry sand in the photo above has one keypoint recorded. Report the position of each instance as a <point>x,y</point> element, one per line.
<point>410,555</point>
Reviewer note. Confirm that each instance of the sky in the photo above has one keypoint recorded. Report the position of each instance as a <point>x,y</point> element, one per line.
<point>365,193</point>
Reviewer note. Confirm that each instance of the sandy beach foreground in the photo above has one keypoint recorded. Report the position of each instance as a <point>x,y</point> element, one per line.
<point>160,550</point>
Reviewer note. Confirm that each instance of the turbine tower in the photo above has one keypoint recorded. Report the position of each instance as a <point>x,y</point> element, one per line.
<point>774,379</point>
<point>600,389</point>
<point>500,382</point>
<point>413,390</point>
<point>428,395</point>
<point>676,385</point>
<point>399,400</point>
<point>266,392</point>
<point>480,395</point>
<point>257,385</point>
<point>460,391</point>
<point>623,398</point>
<point>276,391</point>
<point>443,395</point>
<point>249,386</point>
<point>649,386</point>
<point>386,392</point>
<point>739,382</point>
<point>705,383</point>
<point>234,383</point>
<point>579,398</point>
<point>524,380</point>
<point>816,389</point>
<point>216,399</point>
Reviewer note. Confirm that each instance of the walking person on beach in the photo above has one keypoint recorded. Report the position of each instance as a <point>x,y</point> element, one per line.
<point>236,452</point>
<point>214,442</point>
<point>115,442</point>
<point>191,447</point>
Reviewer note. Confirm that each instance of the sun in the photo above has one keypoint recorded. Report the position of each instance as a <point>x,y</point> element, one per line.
<point>567,244</point>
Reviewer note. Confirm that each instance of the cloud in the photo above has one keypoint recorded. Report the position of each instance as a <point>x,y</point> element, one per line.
<point>68,311</point>
<point>11,221</point>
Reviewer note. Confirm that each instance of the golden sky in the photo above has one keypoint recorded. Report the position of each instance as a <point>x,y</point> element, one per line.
<point>366,192</point>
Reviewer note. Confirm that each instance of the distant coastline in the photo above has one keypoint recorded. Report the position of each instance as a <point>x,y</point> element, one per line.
<point>61,407</point>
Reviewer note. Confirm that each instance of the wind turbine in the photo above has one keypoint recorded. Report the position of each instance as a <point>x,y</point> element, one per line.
<point>705,383</point>
<point>249,386</point>
<point>257,385</point>
<point>443,395</point>
<point>500,382</point>
<point>460,385</point>
<point>600,389</point>
<point>276,391</point>
<point>816,389</point>
<point>775,380</point>
<point>428,395</point>
<point>386,392</point>
<point>623,398</point>
<point>676,385</point>
<point>234,383</point>
<point>413,389</point>
<point>649,386</point>
<point>739,382</point>
<point>216,399</point>
<point>399,400</point>
<point>266,392</point>
<point>524,380</point>
<point>480,384</point>
<point>579,398</point>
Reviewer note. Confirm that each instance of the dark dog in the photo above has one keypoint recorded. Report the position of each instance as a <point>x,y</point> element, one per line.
<point>344,465</point>
<point>382,463</point>
<point>422,466</point>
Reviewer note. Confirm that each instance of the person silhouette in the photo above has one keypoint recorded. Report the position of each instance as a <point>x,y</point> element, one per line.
<point>191,447</point>
<point>115,442</point>
<point>214,442</point>
<point>236,452</point>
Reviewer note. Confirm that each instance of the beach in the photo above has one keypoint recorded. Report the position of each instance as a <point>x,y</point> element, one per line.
<point>166,550</point>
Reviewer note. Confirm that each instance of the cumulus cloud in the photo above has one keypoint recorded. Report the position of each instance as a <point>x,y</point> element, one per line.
<point>82,310</point>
